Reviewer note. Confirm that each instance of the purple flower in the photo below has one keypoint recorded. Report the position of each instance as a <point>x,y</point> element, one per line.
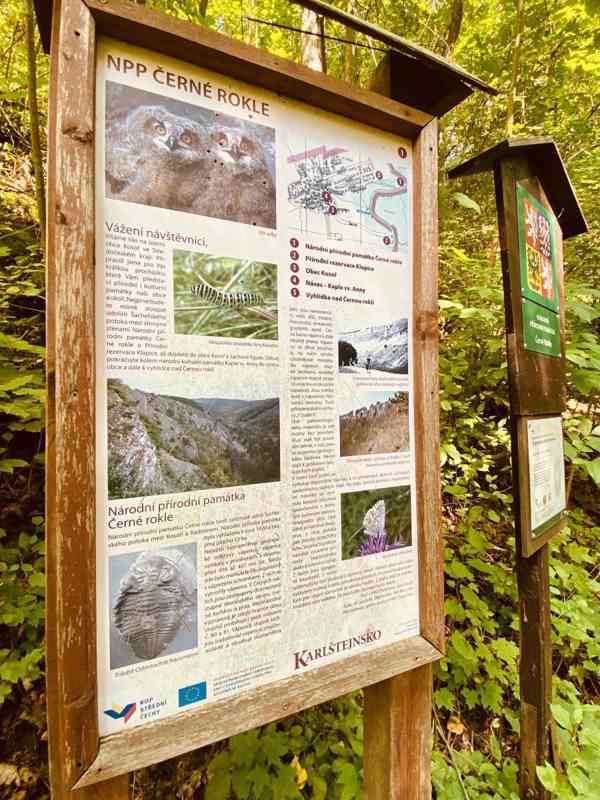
<point>374,544</point>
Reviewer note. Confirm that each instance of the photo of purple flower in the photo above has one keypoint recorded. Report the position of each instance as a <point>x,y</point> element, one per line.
<point>374,544</point>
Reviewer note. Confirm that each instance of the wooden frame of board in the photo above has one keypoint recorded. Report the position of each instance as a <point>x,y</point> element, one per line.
<point>78,756</point>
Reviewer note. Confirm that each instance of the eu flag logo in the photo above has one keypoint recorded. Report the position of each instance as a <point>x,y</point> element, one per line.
<point>192,694</point>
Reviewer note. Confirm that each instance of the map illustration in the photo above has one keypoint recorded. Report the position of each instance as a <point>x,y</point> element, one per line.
<point>346,197</point>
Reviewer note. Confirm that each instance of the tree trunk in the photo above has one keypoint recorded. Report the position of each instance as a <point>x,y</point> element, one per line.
<point>514,78</point>
<point>313,49</point>
<point>454,26</point>
<point>202,8</point>
<point>34,121</point>
<point>349,49</point>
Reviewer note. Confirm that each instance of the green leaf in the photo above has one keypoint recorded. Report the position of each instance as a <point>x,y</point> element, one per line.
<point>37,579</point>
<point>579,781</point>
<point>561,715</point>
<point>13,343</point>
<point>319,787</point>
<point>593,469</point>
<point>491,695</point>
<point>466,202</point>
<point>495,747</point>
<point>260,778</point>
<point>547,777</point>
<point>506,650</point>
<point>10,464</point>
<point>219,786</point>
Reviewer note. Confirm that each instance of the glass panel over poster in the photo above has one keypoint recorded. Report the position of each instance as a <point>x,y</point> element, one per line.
<point>547,494</point>
<point>255,437</point>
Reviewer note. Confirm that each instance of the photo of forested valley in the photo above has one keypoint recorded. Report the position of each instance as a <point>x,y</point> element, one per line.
<point>158,444</point>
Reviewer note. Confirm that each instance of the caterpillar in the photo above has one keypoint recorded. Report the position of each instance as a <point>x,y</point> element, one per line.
<point>220,297</point>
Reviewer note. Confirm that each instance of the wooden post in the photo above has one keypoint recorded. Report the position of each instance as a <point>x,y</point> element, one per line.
<point>70,489</point>
<point>533,581</point>
<point>537,208</point>
<point>398,729</point>
<point>397,739</point>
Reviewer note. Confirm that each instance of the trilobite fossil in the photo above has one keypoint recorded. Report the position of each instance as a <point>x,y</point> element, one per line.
<point>156,597</point>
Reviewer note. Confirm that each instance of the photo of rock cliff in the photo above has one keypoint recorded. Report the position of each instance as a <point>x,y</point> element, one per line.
<point>158,444</point>
<point>379,348</point>
<point>377,423</point>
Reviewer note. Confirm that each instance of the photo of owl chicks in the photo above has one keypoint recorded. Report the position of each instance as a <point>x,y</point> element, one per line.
<point>164,153</point>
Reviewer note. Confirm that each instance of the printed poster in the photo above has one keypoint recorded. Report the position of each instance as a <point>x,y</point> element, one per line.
<point>537,249</point>
<point>255,437</point>
<point>547,496</point>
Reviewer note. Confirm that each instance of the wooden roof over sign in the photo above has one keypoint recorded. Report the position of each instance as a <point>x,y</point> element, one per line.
<point>428,82</point>
<point>43,13</point>
<point>543,154</point>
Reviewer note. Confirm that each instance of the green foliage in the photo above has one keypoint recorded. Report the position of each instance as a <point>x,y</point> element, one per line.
<point>22,585</point>
<point>471,771</point>
<point>21,411</point>
<point>578,727</point>
<point>315,754</point>
<point>575,591</point>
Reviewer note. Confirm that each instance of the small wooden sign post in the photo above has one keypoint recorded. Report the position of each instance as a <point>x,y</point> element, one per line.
<point>537,209</point>
<point>142,664</point>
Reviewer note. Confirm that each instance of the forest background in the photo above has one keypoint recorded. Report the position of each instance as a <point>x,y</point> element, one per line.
<point>544,57</point>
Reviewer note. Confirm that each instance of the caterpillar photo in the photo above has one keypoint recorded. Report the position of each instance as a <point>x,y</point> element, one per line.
<point>220,297</point>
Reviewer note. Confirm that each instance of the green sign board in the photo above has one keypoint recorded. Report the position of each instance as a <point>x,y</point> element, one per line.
<point>537,250</point>
<point>541,329</point>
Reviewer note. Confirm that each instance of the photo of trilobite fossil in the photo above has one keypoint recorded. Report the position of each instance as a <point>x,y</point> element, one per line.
<point>154,604</point>
<point>168,154</point>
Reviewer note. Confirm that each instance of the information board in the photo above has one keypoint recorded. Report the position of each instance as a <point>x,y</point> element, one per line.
<point>541,329</point>
<point>547,498</point>
<point>255,441</point>
<point>537,248</point>
<point>538,265</point>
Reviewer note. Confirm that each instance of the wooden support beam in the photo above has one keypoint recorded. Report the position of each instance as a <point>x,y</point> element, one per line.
<point>397,736</point>
<point>397,754</point>
<point>536,387</point>
<point>535,673</point>
<point>70,489</point>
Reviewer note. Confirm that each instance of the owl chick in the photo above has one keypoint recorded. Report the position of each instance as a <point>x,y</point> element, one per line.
<point>239,186</point>
<point>156,158</point>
